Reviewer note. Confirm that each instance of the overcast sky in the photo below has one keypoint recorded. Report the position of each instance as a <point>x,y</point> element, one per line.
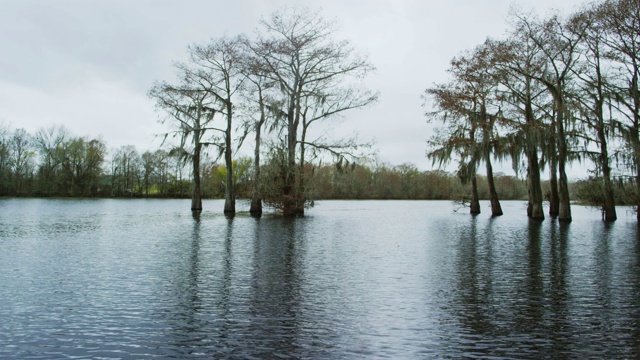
<point>88,65</point>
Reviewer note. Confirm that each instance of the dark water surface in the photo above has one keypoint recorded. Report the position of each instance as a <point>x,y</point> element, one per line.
<point>360,279</point>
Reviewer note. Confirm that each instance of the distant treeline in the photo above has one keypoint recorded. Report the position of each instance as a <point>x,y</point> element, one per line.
<point>408,182</point>
<point>52,162</point>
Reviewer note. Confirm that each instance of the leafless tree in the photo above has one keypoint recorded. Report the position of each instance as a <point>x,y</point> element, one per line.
<point>256,105</point>
<point>317,78</point>
<point>208,83</point>
<point>191,113</point>
<point>216,67</point>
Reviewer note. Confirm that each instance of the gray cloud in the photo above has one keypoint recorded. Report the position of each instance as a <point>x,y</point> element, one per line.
<point>89,64</point>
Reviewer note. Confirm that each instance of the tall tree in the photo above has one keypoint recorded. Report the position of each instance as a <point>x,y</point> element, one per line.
<point>559,48</point>
<point>592,96</point>
<point>621,19</point>
<point>257,109</point>
<point>126,172</point>
<point>191,111</point>
<point>314,76</point>
<point>216,67</point>
<point>522,99</point>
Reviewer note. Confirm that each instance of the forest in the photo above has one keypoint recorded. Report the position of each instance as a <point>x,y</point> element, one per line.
<point>554,91</point>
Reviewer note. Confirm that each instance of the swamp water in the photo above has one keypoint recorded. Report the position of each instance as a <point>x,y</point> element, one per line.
<point>353,279</point>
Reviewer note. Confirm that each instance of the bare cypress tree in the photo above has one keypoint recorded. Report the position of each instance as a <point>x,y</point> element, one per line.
<point>316,78</point>
<point>217,69</point>
<point>190,113</point>
<point>207,86</point>
<point>256,106</point>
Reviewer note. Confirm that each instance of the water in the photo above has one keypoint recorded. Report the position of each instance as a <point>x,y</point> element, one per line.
<point>354,279</point>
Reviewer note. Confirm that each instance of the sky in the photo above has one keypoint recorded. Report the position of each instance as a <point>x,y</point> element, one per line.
<point>88,65</point>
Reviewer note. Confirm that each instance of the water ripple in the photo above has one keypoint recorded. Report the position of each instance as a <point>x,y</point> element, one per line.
<point>144,279</point>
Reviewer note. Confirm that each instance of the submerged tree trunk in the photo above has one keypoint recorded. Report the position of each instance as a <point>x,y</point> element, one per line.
<point>636,150</point>
<point>488,123</point>
<point>196,197</point>
<point>532,141</point>
<point>291,205</point>
<point>256,199</point>
<point>609,206</point>
<point>289,202</point>
<point>535,210</point>
<point>230,196</point>
<point>475,199</point>
<point>554,200</point>
<point>496,209</point>
<point>256,204</point>
<point>563,184</point>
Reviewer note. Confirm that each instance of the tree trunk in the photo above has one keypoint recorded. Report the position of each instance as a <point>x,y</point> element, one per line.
<point>256,200</point>
<point>229,196</point>
<point>535,210</point>
<point>554,200</point>
<point>300,185</point>
<point>290,206</point>
<point>636,150</point>
<point>475,200</point>
<point>256,205</point>
<point>609,206</point>
<point>496,209</point>
<point>196,197</point>
<point>563,188</point>
<point>635,132</point>
<point>638,196</point>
